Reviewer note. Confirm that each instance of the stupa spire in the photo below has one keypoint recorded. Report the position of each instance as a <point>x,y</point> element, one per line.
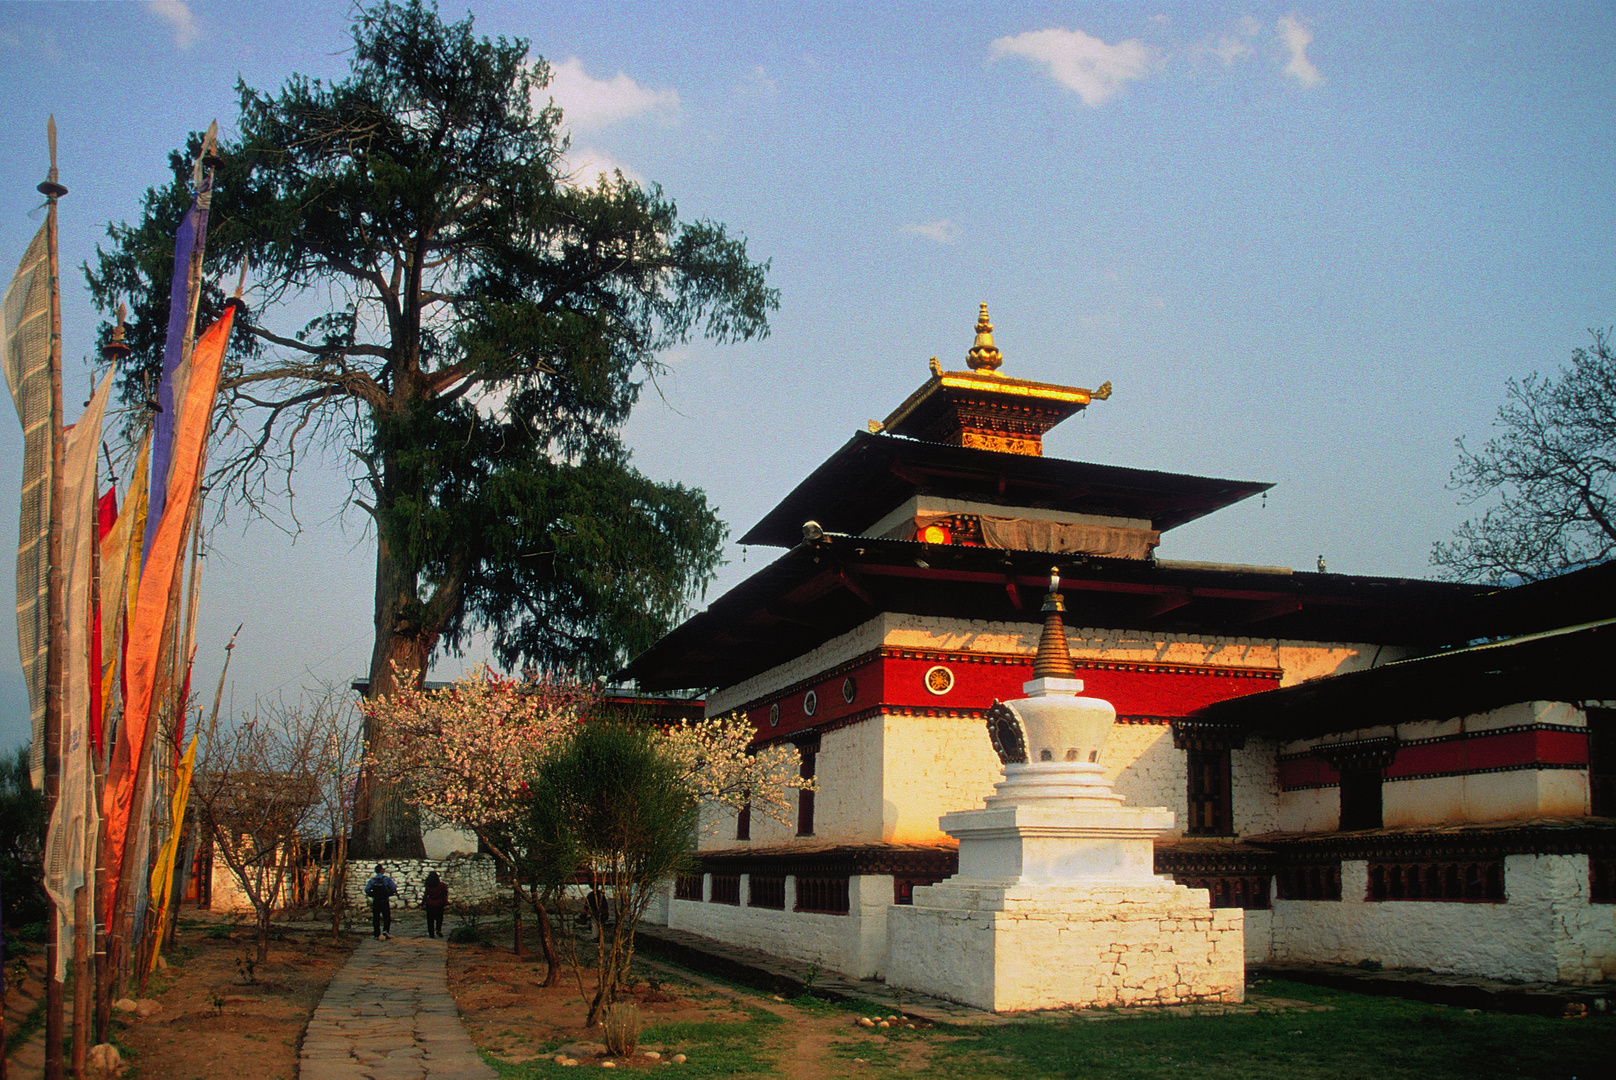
<point>1054,659</point>
<point>984,357</point>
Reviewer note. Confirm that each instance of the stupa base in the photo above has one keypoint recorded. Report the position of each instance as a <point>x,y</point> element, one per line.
<point>1005,946</point>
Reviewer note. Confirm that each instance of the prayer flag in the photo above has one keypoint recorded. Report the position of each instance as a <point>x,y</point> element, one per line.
<point>163,561</point>
<point>68,859</point>
<point>25,343</point>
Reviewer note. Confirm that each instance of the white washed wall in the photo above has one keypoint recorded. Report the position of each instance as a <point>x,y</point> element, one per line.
<point>854,944</point>
<point>1447,800</point>
<point>1146,770</point>
<point>933,765</point>
<point>1254,787</point>
<point>1547,931</point>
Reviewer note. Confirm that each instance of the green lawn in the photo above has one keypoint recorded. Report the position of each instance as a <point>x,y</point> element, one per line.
<point>1360,1036</point>
<point>1352,1036</point>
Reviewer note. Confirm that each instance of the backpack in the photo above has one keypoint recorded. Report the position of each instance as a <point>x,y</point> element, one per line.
<point>380,886</point>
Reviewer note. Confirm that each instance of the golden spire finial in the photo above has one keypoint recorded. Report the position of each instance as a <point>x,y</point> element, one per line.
<point>984,357</point>
<point>1054,657</point>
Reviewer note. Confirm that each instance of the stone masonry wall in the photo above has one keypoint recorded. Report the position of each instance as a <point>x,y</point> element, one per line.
<point>1052,947</point>
<point>1545,931</point>
<point>470,878</point>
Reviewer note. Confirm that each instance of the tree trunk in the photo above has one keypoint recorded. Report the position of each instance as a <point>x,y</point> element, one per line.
<point>552,961</point>
<point>384,825</point>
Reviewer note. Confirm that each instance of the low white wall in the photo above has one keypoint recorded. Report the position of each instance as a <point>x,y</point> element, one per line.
<point>854,944</point>
<point>1546,931</point>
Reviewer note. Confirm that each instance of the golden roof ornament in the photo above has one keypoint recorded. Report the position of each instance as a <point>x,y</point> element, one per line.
<point>984,357</point>
<point>1054,657</point>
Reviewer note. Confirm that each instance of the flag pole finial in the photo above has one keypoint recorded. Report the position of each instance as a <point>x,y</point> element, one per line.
<point>52,188</point>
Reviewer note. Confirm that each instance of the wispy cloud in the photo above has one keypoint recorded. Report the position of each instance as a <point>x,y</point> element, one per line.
<point>590,104</point>
<point>1229,46</point>
<point>1082,63</point>
<point>759,83</point>
<point>586,165</point>
<point>1296,38</point>
<point>941,231</point>
<point>181,23</point>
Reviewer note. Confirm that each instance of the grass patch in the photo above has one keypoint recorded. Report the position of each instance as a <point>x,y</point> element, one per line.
<point>1360,1036</point>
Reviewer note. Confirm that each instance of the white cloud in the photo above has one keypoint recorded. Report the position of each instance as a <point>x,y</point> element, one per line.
<point>180,21</point>
<point>941,231</point>
<point>589,104</point>
<point>1297,38</point>
<point>759,83</point>
<point>1229,46</point>
<point>1083,64</point>
<point>585,164</point>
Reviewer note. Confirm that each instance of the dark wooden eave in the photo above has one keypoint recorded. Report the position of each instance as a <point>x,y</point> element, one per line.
<point>819,590</point>
<point>1566,663</point>
<point>874,474</point>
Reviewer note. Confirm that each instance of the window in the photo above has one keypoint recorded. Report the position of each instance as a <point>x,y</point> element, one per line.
<point>1360,798</point>
<point>1601,880</point>
<point>687,887</point>
<point>1480,881</point>
<point>743,822</point>
<point>1362,767</point>
<point>1320,882</point>
<point>805,799</point>
<point>1211,808</point>
<point>825,895</point>
<point>1602,762</point>
<point>1248,891</point>
<point>767,892</point>
<point>1208,774</point>
<point>726,889</point>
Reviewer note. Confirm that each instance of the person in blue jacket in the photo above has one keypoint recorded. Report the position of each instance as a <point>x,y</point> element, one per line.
<point>381,889</point>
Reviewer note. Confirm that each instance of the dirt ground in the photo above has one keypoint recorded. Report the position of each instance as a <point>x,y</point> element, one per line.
<point>215,1019</point>
<point>509,1014</point>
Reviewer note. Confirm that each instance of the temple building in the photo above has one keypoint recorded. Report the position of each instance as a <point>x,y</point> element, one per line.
<point>1409,772</point>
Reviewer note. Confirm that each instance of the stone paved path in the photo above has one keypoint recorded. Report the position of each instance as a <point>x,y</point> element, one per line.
<point>387,1015</point>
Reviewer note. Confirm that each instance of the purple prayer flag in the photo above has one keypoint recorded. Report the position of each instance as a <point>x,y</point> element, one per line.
<point>189,242</point>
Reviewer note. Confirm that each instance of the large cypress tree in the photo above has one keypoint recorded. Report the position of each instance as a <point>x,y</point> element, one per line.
<point>472,325</point>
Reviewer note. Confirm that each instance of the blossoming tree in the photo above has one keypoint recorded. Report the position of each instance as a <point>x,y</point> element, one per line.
<point>463,755</point>
<point>717,758</point>
<point>467,756</point>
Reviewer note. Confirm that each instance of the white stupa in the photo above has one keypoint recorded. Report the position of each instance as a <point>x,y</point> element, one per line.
<point>1056,903</point>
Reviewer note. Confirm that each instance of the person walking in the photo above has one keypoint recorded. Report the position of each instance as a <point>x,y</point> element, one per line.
<point>434,898</point>
<point>381,889</point>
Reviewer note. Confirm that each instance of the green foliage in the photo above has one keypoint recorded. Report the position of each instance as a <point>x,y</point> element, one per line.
<point>486,328</point>
<point>22,844</point>
<point>467,933</point>
<point>1548,477</point>
<point>610,804</point>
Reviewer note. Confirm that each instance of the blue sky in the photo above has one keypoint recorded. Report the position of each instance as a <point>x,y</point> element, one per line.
<point>1307,244</point>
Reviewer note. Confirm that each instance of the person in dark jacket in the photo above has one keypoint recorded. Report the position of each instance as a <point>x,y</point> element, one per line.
<point>381,890</point>
<point>434,898</point>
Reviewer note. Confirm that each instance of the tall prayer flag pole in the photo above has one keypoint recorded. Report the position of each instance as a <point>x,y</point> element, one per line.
<point>53,190</point>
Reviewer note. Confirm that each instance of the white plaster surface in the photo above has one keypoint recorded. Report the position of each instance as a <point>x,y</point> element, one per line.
<point>1036,947</point>
<point>1546,931</point>
<point>1145,768</point>
<point>932,765</point>
<point>1254,786</point>
<point>854,944</point>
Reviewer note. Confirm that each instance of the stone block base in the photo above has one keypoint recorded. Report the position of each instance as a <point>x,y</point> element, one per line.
<point>1007,947</point>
